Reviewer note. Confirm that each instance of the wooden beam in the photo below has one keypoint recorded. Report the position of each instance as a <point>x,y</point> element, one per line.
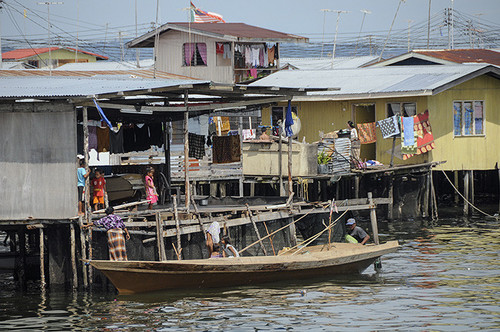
<point>186,150</point>
<point>42,258</point>
<point>74,283</point>
<point>466,193</point>
<point>373,219</point>
<point>159,238</point>
<point>177,229</point>
<point>84,252</point>
<point>256,230</point>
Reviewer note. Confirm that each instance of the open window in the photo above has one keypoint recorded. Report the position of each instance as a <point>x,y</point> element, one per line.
<point>401,109</point>
<point>468,118</point>
<point>194,54</point>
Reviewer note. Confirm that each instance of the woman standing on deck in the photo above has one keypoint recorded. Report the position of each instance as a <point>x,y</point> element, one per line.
<point>115,229</point>
<point>151,194</point>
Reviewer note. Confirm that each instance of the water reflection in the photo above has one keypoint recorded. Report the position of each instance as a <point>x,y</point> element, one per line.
<point>444,277</point>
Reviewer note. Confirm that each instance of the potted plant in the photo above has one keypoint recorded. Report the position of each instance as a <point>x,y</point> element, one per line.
<point>323,159</point>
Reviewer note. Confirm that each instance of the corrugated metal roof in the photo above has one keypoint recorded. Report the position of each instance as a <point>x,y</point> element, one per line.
<point>225,31</point>
<point>326,63</point>
<point>59,87</point>
<point>29,52</point>
<point>108,65</point>
<point>373,80</point>
<point>464,55</point>
<point>141,73</point>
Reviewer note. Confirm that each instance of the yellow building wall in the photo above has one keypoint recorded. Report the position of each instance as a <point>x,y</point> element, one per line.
<point>63,54</point>
<point>467,152</point>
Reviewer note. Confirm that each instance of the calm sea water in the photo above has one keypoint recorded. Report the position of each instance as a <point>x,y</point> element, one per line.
<point>445,277</point>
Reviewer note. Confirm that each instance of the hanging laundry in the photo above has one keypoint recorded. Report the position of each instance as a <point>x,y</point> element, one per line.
<point>196,146</point>
<point>92,138</point>
<point>226,149</point>
<point>103,139</point>
<point>116,141</point>
<point>270,56</point>
<point>253,72</point>
<point>141,132</point>
<point>408,136</point>
<point>248,56</point>
<point>129,139</point>
<point>219,48</point>
<point>423,132</point>
<point>156,134</point>
<point>227,51</point>
<point>389,127</point>
<point>248,134</point>
<point>367,133</point>
<point>222,123</point>
<point>255,56</point>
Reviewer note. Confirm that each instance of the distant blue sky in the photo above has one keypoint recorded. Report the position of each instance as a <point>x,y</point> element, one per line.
<point>292,16</point>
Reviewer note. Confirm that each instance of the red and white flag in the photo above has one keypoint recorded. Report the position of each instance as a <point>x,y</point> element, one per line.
<point>201,16</point>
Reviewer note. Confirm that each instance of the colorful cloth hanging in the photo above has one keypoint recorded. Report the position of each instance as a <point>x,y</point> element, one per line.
<point>366,132</point>
<point>408,136</point>
<point>196,146</point>
<point>424,137</point>
<point>389,127</point>
<point>226,149</point>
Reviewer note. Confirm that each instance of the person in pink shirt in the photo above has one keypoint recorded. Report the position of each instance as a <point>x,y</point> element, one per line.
<point>151,194</point>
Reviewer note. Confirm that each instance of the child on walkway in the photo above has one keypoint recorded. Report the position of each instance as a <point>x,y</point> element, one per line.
<point>99,188</point>
<point>82,174</point>
<point>151,194</point>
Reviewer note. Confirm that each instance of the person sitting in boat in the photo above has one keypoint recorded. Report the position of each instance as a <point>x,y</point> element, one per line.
<point>115,229</point>
<point>227,249</point>
<point>212,237</point>
<point>356,232</point>
<point>216,251</point>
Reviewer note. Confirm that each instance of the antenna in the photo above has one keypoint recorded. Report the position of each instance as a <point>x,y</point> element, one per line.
<point>48,29</point>
<point>77,28</point>
<point>452,23</point>
<point>364,11</point>
<point>336,32</point>
<point>409,27</point>
<point>392,24</point>
<point>324,19</point>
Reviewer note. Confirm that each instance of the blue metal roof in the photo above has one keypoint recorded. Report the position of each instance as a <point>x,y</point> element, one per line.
<point>60,87</point>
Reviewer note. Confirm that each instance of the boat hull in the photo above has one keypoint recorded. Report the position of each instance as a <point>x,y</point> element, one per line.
<point>138,276</point>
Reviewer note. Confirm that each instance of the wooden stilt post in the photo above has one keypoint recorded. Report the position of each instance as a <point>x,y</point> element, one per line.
<point>426,196</point>
<point>84,252</point>
<point>240,131</point>
<point>91,271</point>
<point>162,256</point>
<point>168,171</point>
<point>356,186</point>
<point>434,200</point>
<point>256,230</point>
<point>177,228</point>
<point>88,208</point>
<point>392,151</point>
<point>373,218</point>
<point>252,189</point>
<point>42,258</point>
<point>498,190</point>
<point>21,260</point>
<point>455,174</point>
<point>293,233</point>
<point>390,206</point>
<point>466,193</point>
<point>186,149</point>
<point>471,179</point>
<point>73,256</point>
<point>290,183</point>
<point>280,157</point>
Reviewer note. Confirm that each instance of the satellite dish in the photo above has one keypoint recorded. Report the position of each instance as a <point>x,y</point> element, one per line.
<point>295,127</point>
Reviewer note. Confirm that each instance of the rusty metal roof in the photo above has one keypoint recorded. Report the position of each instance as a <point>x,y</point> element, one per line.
<point>238,32</point>
<point>29,52</point>
<point>139,73</point>
<point>464,55</point>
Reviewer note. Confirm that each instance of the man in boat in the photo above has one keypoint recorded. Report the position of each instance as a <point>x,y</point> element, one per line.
<point>356,232</point>
<point>115,229</point>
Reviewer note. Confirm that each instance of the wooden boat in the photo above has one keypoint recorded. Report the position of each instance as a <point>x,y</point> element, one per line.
<point>131,277</point>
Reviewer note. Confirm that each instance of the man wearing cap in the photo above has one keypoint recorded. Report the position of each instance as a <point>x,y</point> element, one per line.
<point>356,232</point>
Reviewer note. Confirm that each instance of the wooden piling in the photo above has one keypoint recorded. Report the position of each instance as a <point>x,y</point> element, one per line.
<point>280,156</point>
<point>293,233</point>
<point>390,206</point>
<point>162,256</point>
<point>466,192</point>
<point>74,273</point>
<point>472,194</point>
<point>186,149</point>
<point>42,258</point>
<point>498,190</point>
<point>356,186</point>
<point>256,230</point>
<point>434,211</point>
<point>373,218</point>
<point>426,196</point>
<point>177,228</point>
<point>455,180</point>
<point>168,172</point>
<point>391,164</point>
<point>84,251</point>
<point>86,158</point>
<point>91,271</point>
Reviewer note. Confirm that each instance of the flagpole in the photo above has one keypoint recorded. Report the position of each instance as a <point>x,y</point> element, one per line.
<point>157,39</point>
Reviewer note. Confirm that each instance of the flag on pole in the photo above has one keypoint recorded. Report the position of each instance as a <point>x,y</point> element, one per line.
<point>201,16</point>
<point>103,116</point>
<point>289,120</point>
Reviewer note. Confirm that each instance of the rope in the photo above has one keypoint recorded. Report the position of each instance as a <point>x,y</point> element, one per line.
<point>458,192</point>
<point>314,237</point>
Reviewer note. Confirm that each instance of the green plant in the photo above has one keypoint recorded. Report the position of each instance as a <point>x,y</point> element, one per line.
<point>323,158</point>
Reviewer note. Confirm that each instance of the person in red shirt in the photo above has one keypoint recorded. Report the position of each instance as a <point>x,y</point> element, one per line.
<point>99,188</point>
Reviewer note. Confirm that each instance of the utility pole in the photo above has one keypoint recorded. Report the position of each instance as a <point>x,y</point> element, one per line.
<point>136,49</point>
<point>364,11</point>
<point>77,28</point>
<point>120,33</point>
<point>409,28</point>
<point>452,23</point>
<point>429,25</point>
<point>1,2</point>
<point>336,32</point>
<point>48,30</point>
<point>324,21</point>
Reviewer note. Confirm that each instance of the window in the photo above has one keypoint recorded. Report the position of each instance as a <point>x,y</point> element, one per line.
<point>277,115</point>
<point>223,54</point>
<point>468,118</point>
<point>402,109</point>
<point>194,54</point>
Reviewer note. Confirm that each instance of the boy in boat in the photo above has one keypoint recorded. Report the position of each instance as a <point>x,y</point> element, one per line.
<point>212,237</point>
<point>227,249</point>
<point>115,228</point>
<point>356,232</point>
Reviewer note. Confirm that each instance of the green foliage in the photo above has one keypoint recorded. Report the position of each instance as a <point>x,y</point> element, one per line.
<point>323,158</point>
